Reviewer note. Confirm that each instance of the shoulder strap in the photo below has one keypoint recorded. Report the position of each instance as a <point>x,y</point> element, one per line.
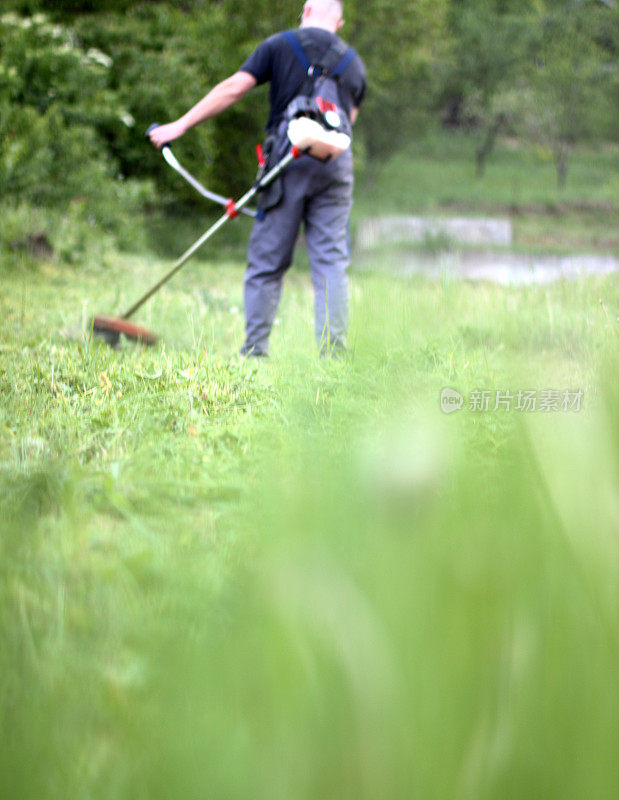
<point>298,50</point>
<point>341,68</point>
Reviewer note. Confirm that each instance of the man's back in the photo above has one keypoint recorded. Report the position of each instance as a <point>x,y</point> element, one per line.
<point>275,61</point>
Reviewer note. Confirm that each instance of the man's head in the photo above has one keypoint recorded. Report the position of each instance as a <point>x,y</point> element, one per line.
<point>322,14</point>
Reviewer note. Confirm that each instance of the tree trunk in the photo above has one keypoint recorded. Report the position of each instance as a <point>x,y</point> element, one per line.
<point>487,146</point>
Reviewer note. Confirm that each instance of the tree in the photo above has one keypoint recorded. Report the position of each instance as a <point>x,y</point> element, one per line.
<point>561,96</point>
<point>489,43</point>
<point>51,91</point>
<point>402,44</point>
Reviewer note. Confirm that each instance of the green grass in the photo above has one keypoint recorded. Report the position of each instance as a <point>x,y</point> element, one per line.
<point>298,579</point>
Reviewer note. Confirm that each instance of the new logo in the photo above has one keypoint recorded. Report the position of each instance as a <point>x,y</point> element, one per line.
<point>451,401</point>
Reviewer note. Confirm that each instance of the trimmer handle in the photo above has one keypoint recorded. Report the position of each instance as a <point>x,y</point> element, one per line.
<point>150,129</point>
<point>171,159</point>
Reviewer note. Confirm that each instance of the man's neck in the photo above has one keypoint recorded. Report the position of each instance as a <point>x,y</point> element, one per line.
<point>317,23</point>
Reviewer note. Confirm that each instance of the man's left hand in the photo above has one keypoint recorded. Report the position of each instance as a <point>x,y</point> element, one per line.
<point>163,134</point>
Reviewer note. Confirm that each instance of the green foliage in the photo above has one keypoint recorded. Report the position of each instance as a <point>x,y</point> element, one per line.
<point>562,98</point>
<point>49,87</point>
<point>55,101</point>
<point>402,45</point>
<point>546,71</point>
<point>489,43</point>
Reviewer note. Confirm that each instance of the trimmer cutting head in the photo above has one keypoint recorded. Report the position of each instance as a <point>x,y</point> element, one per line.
<point>110,329</point>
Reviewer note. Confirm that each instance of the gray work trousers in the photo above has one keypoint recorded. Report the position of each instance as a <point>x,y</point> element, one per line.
<point>319,195</point>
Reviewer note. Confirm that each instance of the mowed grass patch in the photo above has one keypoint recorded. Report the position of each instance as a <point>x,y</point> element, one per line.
<point>298,578</point>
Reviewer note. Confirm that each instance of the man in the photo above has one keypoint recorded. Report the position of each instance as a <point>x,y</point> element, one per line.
<point>316,193</point>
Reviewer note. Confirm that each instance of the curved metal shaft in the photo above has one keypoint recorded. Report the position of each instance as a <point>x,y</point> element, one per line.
<point>231,212</point>
<point>176,165</point>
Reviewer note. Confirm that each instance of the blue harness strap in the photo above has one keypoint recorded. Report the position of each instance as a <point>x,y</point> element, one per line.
<point>344,63</point>
<point>298,50</point>
<point>302,58</point>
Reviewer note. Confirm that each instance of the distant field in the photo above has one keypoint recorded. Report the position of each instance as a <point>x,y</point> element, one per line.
<point>300,579</point>
<point>437,175</point>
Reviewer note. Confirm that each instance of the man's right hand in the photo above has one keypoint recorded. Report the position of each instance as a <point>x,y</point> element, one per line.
<point>163,134</point>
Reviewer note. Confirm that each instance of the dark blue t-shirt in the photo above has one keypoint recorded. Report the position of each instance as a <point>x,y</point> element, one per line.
<point>275,61</point>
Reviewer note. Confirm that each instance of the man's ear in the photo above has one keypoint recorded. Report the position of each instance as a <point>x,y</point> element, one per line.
<point>339,24</point>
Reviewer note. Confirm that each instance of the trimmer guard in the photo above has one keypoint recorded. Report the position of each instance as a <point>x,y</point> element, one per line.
<point>110,328</point>
<point>310,137</point>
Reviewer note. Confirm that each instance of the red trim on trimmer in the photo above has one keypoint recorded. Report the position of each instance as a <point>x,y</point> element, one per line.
<point>260,156</point>
<point>296,153</point>
<point>231,209</point>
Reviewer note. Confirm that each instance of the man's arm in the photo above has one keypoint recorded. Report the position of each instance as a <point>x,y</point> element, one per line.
<point>354,113</point>
<point>221,97</point>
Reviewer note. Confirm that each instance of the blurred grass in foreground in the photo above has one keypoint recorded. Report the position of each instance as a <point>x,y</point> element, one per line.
<point>299,579</point>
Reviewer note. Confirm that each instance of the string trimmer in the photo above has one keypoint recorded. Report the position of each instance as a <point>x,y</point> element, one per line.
<point>306,136</point>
